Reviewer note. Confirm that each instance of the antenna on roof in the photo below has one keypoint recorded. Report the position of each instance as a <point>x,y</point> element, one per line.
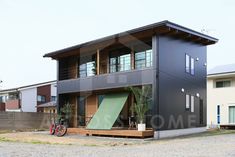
<point>207,31</point>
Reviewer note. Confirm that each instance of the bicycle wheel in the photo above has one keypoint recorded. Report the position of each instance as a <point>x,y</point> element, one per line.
<point>61,130</point>
<point>52,129</point>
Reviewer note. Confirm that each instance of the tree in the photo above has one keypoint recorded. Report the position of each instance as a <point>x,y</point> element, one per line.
<point>142,100</point>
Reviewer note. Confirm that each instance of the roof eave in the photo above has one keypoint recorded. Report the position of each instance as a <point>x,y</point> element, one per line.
<point>210,40</point>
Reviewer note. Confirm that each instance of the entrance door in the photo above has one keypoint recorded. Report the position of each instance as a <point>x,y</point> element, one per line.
<point>81,111</point>
<point>201,111</point>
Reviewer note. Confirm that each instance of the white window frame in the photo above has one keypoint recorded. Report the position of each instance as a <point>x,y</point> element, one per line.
<point>187,101</point>
<point>192,103</point>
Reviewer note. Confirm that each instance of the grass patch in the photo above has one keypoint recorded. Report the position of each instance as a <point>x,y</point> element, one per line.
<point>5,131</point>
<point>90,145</point>
<point>4,139</point>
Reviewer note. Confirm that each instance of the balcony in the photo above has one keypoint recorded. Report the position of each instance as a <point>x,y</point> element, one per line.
<point>107,81</point>
<point>13,104</point>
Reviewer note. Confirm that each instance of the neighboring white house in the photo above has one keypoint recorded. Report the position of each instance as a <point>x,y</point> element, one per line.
<point>221,96</point>
<point>28,98</point>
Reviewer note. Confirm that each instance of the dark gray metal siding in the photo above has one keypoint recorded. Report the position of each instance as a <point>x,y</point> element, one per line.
<point>172,78</point>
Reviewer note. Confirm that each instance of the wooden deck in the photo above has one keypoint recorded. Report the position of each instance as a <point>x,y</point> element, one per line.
<point>113,132</point>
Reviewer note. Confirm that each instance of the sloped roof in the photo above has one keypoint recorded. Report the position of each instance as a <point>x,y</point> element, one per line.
<point>48,104</point>
<point>166,28</point>
<point>221,69</point>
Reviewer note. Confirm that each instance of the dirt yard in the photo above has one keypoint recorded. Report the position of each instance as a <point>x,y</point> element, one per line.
<point>43,145</point>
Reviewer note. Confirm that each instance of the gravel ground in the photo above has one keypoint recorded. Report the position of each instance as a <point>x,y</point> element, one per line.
<point>208,146</point>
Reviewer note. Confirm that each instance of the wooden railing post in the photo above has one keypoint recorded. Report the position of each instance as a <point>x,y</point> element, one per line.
<point>97,62</point>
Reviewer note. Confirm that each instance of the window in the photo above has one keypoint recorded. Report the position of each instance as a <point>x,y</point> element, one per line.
<point>218,114</point>
<point>192,103</point>
<point>187,63</point>
<point>41,98</point>
<point>232,114</point>
<point>221,84</point>
<point>120,63</point>
<point>187,101</point>
<point>192,66</point>
<point>53,98</point>
<point>1,99</point>
<point>87,69</point>
<point>143,59</point>
<point>125,62</point>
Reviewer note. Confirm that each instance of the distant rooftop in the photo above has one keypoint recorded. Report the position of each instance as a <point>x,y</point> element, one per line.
<point>221,69</point>
<point>25,87</point>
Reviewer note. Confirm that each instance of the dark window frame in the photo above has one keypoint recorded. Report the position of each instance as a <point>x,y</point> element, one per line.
<point>218,114</point>
<point>118,62</point>
<point>86,70</point>
<point>147,63</point>
<point>223,83</point>
<point>189,64</point>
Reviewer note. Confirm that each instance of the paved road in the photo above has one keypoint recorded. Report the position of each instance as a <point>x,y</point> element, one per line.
<point>210,146</point>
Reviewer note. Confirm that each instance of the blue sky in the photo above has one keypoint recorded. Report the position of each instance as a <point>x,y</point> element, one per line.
<point>29,29</point>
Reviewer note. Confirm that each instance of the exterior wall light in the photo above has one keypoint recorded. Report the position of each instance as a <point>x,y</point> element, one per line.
<point>197,59</point>
<point>182,90</point>
<point>198,95</point>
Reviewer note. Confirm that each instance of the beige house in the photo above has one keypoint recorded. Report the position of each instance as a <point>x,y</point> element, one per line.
<point>221,96</point>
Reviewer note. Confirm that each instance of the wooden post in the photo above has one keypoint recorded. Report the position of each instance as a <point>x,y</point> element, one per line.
<point>98,62</point>
<point>107,62</point>
<point>132,59</point>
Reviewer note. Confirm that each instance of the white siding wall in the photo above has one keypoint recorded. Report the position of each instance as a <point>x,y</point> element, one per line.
<point>53,90</point>
<point>219,96</point>
<point>29,100</point>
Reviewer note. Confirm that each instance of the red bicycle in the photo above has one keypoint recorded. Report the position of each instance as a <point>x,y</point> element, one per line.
<point>58,129</point>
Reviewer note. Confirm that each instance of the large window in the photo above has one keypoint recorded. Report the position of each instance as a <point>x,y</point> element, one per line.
<point>120,61</point>
<point>87,69</point>
<point>221,84</point>
<point>143,59</point>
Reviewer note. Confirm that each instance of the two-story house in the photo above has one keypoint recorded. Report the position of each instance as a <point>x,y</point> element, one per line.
<point>166,56</point>
<point>220,96</point>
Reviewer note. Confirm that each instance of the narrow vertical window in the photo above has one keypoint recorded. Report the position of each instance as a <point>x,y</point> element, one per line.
<point>187,63</point>
<point>232,114</point>
<point>218,114</point>
<point>192,103</point>
<point>192,66</point>
<point>187,101</point>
